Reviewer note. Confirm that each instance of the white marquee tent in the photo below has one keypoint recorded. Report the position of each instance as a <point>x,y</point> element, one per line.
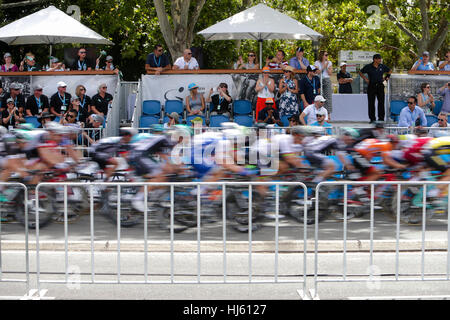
<point>259,23</point>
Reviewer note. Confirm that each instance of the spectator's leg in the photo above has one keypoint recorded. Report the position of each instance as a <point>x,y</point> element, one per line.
<point>380,98</point>
<point>371,101</point>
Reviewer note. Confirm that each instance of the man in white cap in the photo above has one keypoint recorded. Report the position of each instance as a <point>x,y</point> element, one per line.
<point>60,101</point>
<point>37,102</point>
<point>310,112</point>
<point>320,117</point>
<point>345,79</point>
<point>14,93</point>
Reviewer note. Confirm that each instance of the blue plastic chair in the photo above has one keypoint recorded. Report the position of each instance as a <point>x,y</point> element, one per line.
<point>33,120</point>
<point>217,120</point>
<point>147,121</point>
<point>151,107</point>
<point>437,107</point>
<point>174,106</point>
<point>431,119</point>
<point>244,120</point>
<point>285,120</point>
<point>396,107</point>
<point>56,119</point>
<point>242,107</point>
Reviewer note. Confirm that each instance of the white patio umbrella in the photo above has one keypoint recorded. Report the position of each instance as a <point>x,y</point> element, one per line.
<point>259,23</point>
<point>49,26</point>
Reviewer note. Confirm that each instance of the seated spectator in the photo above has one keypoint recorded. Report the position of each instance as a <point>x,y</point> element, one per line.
<point>14,93</point>
<point>29,63</point>
<point>93,122</point>
<point>294,120</point>
<point>220,100</point>
<point>445,65</point>
<point>265,87</point>
<point>412,115</point>
<point>425,99</point>
<point>445,92</point>
<point>299,62</point>
<point>344,79</point>
<point>85,106</point>
<point>11,116</point>
<point>311,111</point>
<point>174,118</point>
<point>37,102</point>
<point>250,64</point>
<point>186,62</point>
<point>45,118</point>
<point>288,88</point>
<point>9,66</point>
<point>56,65</point>
<point>424,63</point>
<point>74,107</point>
<point>195,102</point>
<point>320,115</point>
<point>70,117</point>
<point>278,62</point>
<point>101,101</point>
<point>269,115</point>
<point>157,61</point>
<point>60,101</point>
<point>82,63</point>
<point>309,86</point>
<point>442,123</point>
<point>109,66</point>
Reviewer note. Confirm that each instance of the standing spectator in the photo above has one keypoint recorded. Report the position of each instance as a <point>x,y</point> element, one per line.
<point>56,65</point>
<point>345,79</point>
<point>29,63</point>
<point>157,61</point>
<point>16,95</point>
<point>195,102</point>
<point>60,101</point>
<point>269,115</point>
<point>220,100</point>
<point>85,106</point>
<point>82,63</point>
<point>309,86</point>
<point>375,72</point>
<point>311,111</point>
<point>326,68</point>
<point>445,65</point>
<point>425,99</point>
<point>11,116</point>
<point>250,64</point>
<point>442,123</point>
<point>101,101</point>
<point>288,88</point>
<point>445,92</point>
<point>186,62</point>
<point>299,62</point>
<point>320,116</point>
<point>424,63</point>
<point>278,62</point>
<point>37,102</point>
<point>412,115</point>
<point>8,66</point>
<point>265,88</point>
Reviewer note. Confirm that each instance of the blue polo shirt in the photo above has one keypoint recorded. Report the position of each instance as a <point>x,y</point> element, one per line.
<point>408,118</point>
<point>425,67</point>
<point>325,125</point>
<point>296,64</point>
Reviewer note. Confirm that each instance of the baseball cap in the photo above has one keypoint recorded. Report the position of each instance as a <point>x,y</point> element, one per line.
<point>14,85</point>
<point>10,100</point>
<point>54,60</point>
<point>37,87</point>
<point>197,120</point>
<point>97,118</point>
<point>7,54</point>
<point>269,101</point>
<point>62,84</point>
<point>321,112</point>
<point>299,49</point>
<point>174,115</point>
<point>109,58</point>
<point>343,64</point>
<point>310,68</point>
<point>192,86</point>
<point>266,69</point>
<point>319,98</point>
<point>425,53</point>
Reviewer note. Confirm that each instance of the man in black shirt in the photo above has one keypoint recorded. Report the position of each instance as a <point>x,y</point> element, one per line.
<point>101,101</point>
<point>309,86</point>
<point>269,114</point>
<point>157,61</point>
<point>82,63</point>
<point>37,102</point>
<point>375,72</point>
<point>345,79</point>
<point>60,101</point>
<point>16,95</point>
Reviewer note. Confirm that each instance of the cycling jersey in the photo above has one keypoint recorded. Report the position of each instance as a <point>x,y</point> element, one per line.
<point>105,149</point>
<point>371,148</point>
<point>209,150</point>
<point>413,153</point>
<point>436,152</point>
<point>314,150</point>
<point>286,145</point>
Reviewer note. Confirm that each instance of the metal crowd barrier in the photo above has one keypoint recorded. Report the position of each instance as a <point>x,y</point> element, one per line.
<point>387,276</point>
<point>120,185</point>
<point>27,263</point>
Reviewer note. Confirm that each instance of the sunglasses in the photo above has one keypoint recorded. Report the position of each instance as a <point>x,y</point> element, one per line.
<point>189,53</point>
<point>428,87</point>
<point>82,89</point>
<point>160,50</point>
<point>251,55</point>
<point>441,119</point>
<point>82,52</point>
<point>320,115</point>
<point>70,116</point>
<point>409,102</point>
<point>104,87</point>
<point>40,90</point>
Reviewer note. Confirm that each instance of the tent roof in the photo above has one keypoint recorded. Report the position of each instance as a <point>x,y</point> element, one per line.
<point>259,23</point>
<point>49,26</point>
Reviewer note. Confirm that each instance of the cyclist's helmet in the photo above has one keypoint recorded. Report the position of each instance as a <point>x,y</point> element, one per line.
<point>3,131</point>
<point>57,128</point>
<point>392,138</point>
<point>127,131</point>
<point>379,124</point>
<point>299,130</point>
<point>25,126</point>
<point>350,132</point>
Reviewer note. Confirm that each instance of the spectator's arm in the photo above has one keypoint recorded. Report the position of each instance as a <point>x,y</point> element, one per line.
<point>423,119</point>
<point>415,65</point>
<point>302,118</point>
<point>442,65</point>
<point>188,105</point>
<point>402,119</point>
<point>202,99</point>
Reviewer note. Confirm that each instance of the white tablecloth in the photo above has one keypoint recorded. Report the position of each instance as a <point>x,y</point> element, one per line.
<point>351,107</point>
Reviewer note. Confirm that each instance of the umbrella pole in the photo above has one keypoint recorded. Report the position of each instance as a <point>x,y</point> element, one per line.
<point>260,52</point>
<point>50,57</point>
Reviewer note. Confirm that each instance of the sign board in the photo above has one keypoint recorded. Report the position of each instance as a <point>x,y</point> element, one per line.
<point>355,58</point>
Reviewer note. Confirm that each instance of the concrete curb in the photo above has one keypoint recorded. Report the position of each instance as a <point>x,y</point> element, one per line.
<point>287,246</point>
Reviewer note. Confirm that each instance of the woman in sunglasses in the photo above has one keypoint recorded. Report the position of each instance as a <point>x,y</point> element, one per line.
<point>288,88</point>
<point>425,99</point>
<point>251,64</point>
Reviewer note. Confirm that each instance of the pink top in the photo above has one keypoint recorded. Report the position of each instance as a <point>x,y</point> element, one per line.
<point>14,68</point>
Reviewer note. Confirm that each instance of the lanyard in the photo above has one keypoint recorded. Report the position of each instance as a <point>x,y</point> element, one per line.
<point>82,66</point>
<point>84,101</point>
<point>313,84</point>
<point>159,61</point>
<point>62,100</point>
<point>38,102</point>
